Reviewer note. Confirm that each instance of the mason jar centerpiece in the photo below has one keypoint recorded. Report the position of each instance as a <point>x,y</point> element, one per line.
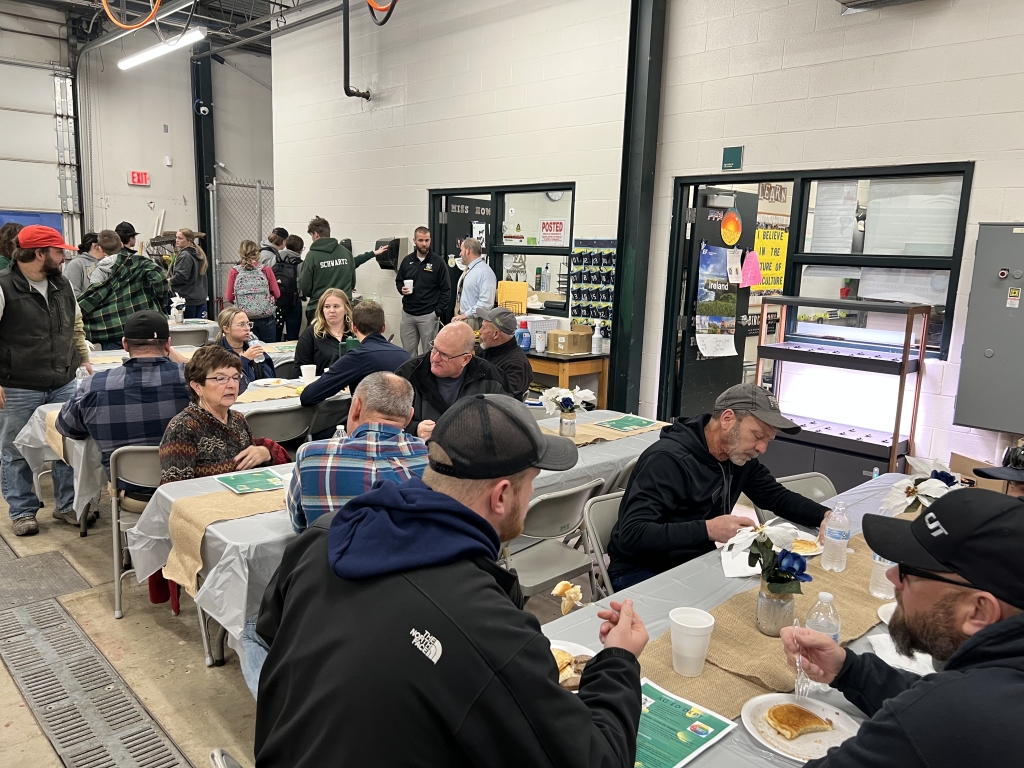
<point>567,402</point>
<point>781,576</point>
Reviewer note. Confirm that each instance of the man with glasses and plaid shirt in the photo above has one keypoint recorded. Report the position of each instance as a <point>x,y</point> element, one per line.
<point>960,597</point>
<point>447,373</point>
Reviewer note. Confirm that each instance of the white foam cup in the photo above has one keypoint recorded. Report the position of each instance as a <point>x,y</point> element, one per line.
<point>308,373</point>
<point>541,340</point>
<point>691,634</point>
<point>408,285</point>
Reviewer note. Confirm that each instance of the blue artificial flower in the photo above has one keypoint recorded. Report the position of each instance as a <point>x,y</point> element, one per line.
<point>945,477</point>
<point>793,565</point>
<point>568,404</point>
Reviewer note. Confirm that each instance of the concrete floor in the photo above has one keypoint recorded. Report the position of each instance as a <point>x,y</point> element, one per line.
<point>158,655</point>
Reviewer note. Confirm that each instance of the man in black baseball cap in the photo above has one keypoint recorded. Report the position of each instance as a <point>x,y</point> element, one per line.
<point>393,629</point>
<point>127,234</point>
<point>1012,470</point>
<point>960,597</point>
<point>679,499</point>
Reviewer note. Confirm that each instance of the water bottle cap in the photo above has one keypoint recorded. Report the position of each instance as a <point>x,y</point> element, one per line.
<point>839,505</point>
<point>825,597</point>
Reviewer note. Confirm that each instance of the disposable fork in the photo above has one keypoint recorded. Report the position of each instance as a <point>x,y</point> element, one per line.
<point>803,682</point>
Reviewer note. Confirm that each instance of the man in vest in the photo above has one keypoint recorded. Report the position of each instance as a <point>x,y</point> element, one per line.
<point>42,348</point>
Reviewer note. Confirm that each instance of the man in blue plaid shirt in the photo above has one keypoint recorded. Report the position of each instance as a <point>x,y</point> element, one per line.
<point>130,405</point>
<point>330,472</point>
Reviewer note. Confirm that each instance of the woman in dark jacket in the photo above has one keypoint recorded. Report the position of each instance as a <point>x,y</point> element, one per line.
<point>188,273</point>
<point>235,329</point>
<point>332,325</point>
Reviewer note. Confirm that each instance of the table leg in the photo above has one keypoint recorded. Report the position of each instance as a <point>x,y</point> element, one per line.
<point>220,634</point>
<point>563,375</point>
<point>602,385</point>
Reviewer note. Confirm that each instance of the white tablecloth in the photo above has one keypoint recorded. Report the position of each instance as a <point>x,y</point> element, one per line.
<point>241,556</point>
<point>701,584</point>
<point>212,329</point>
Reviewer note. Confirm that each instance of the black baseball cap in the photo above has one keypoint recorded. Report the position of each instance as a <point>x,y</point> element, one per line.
<point>147,324</point>
<point>759,402</point>
<point>491,436</point>
<point>125,231</point>
<point>1012,469</point>
<point>973,532</point>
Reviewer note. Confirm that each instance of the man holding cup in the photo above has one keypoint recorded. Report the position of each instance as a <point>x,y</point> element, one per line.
<point>422,279</point>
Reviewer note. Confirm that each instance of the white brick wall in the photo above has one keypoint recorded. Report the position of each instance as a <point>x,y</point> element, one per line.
<point>803,87</point>
<point>464,94</point>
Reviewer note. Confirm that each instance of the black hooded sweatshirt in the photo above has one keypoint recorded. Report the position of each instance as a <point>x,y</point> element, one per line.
<point>677,486</point>
<point>970,714</point>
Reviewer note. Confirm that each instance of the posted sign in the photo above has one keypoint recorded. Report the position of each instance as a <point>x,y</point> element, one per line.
<point>553,232</point>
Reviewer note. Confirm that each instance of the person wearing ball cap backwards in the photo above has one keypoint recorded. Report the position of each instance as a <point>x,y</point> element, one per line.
<point>960,597</point>
<point>396,639</point>
<point>42,345</point>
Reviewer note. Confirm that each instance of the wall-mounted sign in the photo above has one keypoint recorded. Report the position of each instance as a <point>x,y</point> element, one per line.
<point>138,178</point>
<point>553,232</point>
<point>732,158</point>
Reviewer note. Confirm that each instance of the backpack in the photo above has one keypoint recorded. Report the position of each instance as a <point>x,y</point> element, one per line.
<point>286,271</point>
<point>252,293</point>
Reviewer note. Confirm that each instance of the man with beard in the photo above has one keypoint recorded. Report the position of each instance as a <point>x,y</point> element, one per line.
<point>43,346</point>
<point>960,597</point>
<point>679,499</point>
<point>396,639</point>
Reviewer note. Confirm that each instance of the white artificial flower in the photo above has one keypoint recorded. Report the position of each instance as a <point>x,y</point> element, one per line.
<point>904,493</point>
<point>780,534</point>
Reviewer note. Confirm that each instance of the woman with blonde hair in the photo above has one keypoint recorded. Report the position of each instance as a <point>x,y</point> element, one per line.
<point>234,336</point>
<point>254,290</point>
<point>331,327</point>
<point>188,273</point>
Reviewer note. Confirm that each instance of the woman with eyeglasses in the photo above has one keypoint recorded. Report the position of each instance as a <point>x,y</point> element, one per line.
<point>331,326</point>
<point>235,330</point>
<point>207,438</point>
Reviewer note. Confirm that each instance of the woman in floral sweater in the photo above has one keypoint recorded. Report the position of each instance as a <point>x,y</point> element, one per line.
<point>207,438</point>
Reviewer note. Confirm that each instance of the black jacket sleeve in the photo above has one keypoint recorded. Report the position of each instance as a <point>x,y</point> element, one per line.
<point>399,283</point>
<point>445,282</point>
<point>659,492</point>
<point>340,375</point>
<point>866,681</point>
<point>766,492</point>
<point>596,729</point>
<point>305,349</point>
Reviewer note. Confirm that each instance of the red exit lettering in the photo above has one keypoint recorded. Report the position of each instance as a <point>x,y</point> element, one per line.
<point>138,178</point>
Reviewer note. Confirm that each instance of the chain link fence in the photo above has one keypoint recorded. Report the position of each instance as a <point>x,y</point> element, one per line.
<point>241,210</point>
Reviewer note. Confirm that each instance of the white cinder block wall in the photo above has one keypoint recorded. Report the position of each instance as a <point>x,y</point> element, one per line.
<point>464,94</point>
<point>802,87</point>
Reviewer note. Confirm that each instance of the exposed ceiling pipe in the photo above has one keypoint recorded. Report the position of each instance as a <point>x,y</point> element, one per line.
<point>349,90</point>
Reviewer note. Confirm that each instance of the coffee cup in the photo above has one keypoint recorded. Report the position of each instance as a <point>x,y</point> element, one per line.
<point>691,634</point>
<point>308,373</point>
<point>408,287</point>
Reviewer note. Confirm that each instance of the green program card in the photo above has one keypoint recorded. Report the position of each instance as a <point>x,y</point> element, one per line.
<point>626,423</point>
<point>251,482</point>
<point>673,730</point>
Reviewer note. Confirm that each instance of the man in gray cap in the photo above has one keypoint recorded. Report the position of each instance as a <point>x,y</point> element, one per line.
<point>498,347</point>
<point>679,500</point>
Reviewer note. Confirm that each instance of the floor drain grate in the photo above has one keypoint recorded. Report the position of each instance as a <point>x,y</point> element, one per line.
<point>90,716</point>
<point>32,579</point>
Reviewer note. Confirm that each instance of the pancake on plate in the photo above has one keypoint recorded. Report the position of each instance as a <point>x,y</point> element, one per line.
<point>792,721</point>
<point>804,547</point>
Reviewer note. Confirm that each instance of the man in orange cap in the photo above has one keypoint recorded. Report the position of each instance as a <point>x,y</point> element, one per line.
<point>44,345</point>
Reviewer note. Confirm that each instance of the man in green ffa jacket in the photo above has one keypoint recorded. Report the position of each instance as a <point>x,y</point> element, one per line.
<point>328,264</point>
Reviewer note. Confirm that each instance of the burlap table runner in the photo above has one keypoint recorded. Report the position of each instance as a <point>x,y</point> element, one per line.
<point>262,394</point>
<point>191,516</point>
<point>54,439</point>
<point>108,357</point>
<point>283,346</point>
<point>588,434</point>
<point>716,689</point>
<point>739,647</point>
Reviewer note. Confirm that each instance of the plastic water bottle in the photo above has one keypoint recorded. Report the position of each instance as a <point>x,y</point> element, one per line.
<point>81,375</point>
<point>253,339</point>
<point>523,338</point>
<point>880,586</point>
<point>837,536</point>
<point>874,473</point>
<point>823,616</point>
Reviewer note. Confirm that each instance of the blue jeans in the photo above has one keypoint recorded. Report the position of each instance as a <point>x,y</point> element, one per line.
<point>629,578</point>
<point>17,476</point>
<point>265,329</point>
<point>292,323</point>
<point>195,312</point>
<point>255,651</point>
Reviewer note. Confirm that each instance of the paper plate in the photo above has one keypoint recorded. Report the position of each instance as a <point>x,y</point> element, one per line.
<point>810,746</point>
<point>886,611</point>
<point>574,648</point>
<point>266,383</point>
<point>808,537</point>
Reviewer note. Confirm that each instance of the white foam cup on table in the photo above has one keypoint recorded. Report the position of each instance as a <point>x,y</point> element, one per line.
<point>308,373</point>
<point>541,340</point>
<point>408,286</point>
<point>691,634</point>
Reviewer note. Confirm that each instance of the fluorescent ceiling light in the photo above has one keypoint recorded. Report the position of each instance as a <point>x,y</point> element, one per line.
<point>194,35</point>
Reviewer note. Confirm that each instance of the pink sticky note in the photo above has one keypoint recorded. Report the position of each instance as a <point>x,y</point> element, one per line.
<point>751,270</point>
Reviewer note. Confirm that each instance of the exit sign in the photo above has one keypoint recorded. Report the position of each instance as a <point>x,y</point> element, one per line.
<point>138,178</point>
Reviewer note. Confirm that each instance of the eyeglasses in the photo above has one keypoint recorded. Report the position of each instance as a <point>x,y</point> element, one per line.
<point>909,570</point>
<point>221,381</point>
<point>443,356</point>
<point>243,325</point>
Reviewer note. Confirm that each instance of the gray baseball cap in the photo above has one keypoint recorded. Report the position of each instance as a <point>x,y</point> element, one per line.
<point>501,317</point>
<point>759,402</point>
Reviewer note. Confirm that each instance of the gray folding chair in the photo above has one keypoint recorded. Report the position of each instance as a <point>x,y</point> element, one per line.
<point>286,370</point>
<point>136,467</point>
<point>282,425</point>
<point>814,485</point>
<point>221,759</point>
<point>193,337</point>
<point>552,517</point>
<point>620,480</point>
<point>599,517</point>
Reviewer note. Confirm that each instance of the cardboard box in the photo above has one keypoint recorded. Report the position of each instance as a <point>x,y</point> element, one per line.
<point>583,328</point>
<point>569,342</point>
<point>966,465</point>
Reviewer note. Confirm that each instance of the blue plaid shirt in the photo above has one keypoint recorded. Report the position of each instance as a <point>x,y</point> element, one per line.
<point>130,405</point>
<point>330,472</point>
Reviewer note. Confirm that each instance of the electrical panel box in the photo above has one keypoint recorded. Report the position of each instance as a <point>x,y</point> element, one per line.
<point>992,361</point>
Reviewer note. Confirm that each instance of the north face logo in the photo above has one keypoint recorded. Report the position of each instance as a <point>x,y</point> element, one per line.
<point>429,645</point>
